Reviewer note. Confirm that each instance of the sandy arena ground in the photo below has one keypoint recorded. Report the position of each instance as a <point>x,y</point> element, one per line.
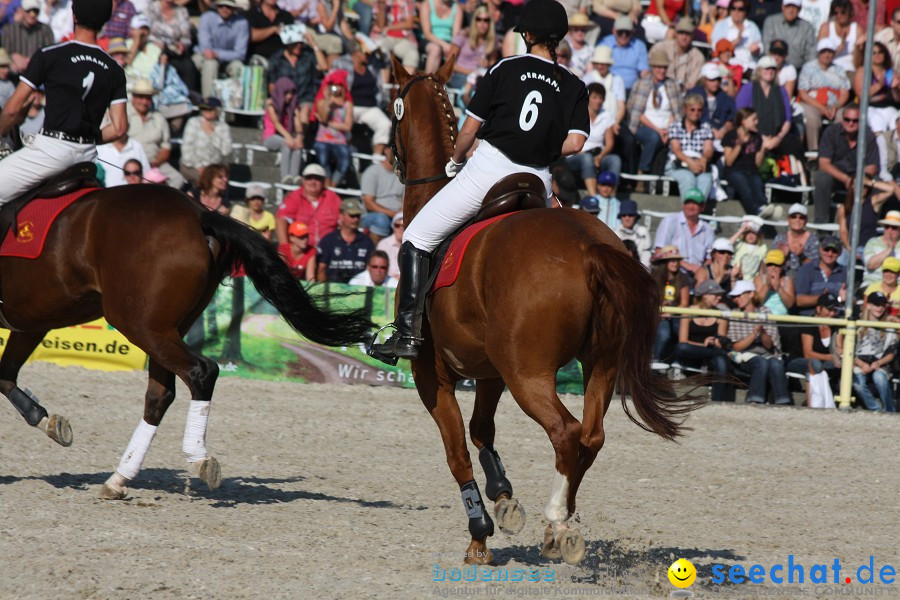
<point>336,491</point>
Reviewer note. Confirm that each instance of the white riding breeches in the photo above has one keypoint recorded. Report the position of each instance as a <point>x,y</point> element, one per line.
<point>39,159</point>
<point>460,199</point>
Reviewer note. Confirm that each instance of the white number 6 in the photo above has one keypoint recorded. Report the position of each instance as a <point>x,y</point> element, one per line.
<point>529,115</point>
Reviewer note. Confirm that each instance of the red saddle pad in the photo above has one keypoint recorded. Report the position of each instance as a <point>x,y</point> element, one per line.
<point>34,222</point>
<point>457,250</point>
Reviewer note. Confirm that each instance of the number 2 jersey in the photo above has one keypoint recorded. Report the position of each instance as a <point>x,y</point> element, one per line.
<point>528,106</point>
<point>80,82</point>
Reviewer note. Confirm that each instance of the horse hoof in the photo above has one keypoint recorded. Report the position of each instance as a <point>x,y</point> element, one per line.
<point>571,546</point>
<point>550,549</point>
<point>108,493</point>
<point>59,430</point>
<point>478,554</point>
<point>209,471</point>
<point>510,516</point>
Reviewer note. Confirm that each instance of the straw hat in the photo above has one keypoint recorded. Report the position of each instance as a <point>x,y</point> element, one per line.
<point>892,218</point>
<point>143,87</point>
<point>667,253</point>
<point>658,58</point>
<point>581,20</point>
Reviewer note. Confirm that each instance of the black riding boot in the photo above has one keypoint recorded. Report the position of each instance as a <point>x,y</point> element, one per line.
<point>407,338</point>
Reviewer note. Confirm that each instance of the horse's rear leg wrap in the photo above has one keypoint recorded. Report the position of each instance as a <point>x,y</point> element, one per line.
<point>497,483</point>
<point>27,406</point>
<point>480,524</point>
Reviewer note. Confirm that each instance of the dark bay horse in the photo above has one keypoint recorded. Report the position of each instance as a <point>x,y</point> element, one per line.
<point>536,290</point>
<point>147,258</point>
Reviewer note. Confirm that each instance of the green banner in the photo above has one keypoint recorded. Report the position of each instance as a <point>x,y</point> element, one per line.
<point>248,338</point>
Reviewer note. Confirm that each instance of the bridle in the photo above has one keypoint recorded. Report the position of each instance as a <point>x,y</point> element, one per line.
<point>398,112</point>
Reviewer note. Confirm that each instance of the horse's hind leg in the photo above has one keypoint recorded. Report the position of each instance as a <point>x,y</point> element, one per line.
<point>170,355</point>
<point>536,394</point>
<point>509,513</point>
<point>17,350</point>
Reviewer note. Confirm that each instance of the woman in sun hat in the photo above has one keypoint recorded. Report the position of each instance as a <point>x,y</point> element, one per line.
<point>674,288</point>
<point>879,248</point>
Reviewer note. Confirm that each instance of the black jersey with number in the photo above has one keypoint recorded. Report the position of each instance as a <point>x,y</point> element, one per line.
<point>528,106</point>
<point>80,82</point>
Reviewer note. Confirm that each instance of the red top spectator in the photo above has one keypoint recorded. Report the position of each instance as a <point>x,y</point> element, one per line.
<point>311,204</point>
<point>299,255</point>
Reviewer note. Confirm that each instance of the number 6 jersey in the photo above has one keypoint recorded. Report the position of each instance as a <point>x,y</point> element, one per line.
<point>528,107</point>
<point>80,82</point>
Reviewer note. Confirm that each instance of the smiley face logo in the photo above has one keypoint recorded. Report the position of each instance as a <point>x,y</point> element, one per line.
<point>682,573</point>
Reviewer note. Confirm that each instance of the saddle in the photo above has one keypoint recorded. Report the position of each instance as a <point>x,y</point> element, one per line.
<point>519,191</point>
<point>74,178</point>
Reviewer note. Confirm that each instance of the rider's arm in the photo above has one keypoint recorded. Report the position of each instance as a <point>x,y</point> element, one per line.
<point>465,139</point>
<point>118,124</point>
<point>15,108</point>
<point>573,144</point>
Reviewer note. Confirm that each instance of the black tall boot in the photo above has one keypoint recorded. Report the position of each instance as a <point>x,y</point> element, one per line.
<point>406,340</point>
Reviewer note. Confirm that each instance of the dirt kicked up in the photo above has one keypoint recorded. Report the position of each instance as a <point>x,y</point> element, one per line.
<point>337,491</point>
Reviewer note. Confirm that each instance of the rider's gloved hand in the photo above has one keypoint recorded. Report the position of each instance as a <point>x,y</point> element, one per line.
<point>453,168</point>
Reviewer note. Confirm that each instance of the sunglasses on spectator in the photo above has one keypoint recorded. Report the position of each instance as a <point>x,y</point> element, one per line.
<point>33,11</point>
<point>399,226</point>
<point>831,249</point>
<point>305,236</point>
<point>846,120</point>
<point>133,173</point>
<point>892,226</point>
<point>623,32</point>
<point>378,267</point>
<point>488,20</point>
<point>739,8</point>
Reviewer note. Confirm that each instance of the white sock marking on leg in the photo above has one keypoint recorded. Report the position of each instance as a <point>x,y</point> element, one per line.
<point>557,511</point>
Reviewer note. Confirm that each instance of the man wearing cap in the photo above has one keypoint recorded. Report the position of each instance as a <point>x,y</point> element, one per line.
<point>718,107</point>
<point>815,277</point>
<point>888,286</point>
<point>741,32</point>
<point>880,248</point>
<point>693,236</point>
<point>312,204</point>
<point>23,38</point>
<point>629,55</point>
<point>149,128</point>
<point>799,34</point>
<point>345,252</point>
<point>757,348</point>
<point>823,88</point>
<point>222,39</point>
<point>685,61</point>
<point>206,140</point>
<point>82,85</point>
<point>382,195</point>
<point>653,105</point>
<point>266,20</point>
<point>837,160</point>
<point>119,24</point>
<point>630,229</point>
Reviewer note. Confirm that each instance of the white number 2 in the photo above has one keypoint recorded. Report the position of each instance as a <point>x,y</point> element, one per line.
<point>529,115</point>
<point>87,83</point>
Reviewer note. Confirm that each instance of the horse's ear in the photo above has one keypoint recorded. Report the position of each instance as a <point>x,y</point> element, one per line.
<point>399,70</point>
<point>444,74</point>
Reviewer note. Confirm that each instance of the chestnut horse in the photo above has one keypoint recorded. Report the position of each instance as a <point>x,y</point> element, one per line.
<point>147,258</point>
<point>535,290</point>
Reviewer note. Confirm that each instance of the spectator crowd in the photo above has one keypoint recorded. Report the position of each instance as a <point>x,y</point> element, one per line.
<point>719,97</point>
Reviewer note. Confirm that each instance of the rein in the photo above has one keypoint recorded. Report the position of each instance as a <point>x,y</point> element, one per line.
<point>399,111</point>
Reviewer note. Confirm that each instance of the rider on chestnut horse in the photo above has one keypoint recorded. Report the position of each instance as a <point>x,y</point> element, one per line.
<point>528,111</point>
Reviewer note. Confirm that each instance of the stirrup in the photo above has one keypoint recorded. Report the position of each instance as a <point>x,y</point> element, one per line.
<point>388,359</point>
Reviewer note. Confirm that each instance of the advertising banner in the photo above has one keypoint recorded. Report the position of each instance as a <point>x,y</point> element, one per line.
<point>94,345</point>
<point>248,338</point>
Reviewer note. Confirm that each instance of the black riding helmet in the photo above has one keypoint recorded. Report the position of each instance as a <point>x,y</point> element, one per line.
<point>92,14</point>
<point>545,19</point>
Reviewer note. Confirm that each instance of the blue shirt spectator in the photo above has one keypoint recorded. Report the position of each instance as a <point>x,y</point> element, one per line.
<point>710,86</point>
<point>816,277</point>
<point>629,55</point>
<point>226,36</point>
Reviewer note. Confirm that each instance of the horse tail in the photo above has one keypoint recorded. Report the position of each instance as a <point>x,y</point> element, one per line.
<point>242,246</point>
<point>626,312</point>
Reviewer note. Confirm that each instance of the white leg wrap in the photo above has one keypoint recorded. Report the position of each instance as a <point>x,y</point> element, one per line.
<point>194,445</point>
<point>557,511</point>
<point>137,448</point>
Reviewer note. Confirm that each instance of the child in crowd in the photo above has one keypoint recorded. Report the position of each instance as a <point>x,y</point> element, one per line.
<point>299,255</point>
<point>630,230</point>
<point>258,217</point>
<point>607,203</point>
<point>724,52</point>
<point>749,250</point>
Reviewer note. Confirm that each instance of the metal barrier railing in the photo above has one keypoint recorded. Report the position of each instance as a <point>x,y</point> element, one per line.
<point>848,327</point>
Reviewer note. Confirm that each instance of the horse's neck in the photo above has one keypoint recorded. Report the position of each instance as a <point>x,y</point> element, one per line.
<point>427,158</point>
